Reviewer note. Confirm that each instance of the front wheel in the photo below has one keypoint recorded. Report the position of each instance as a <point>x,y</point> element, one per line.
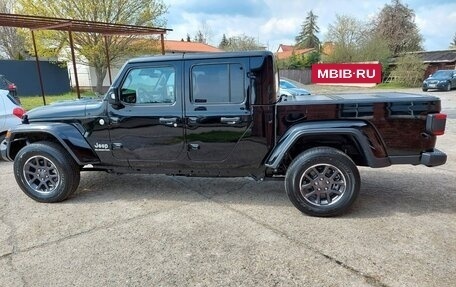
<point>448,87</point>
<point>46,172</point>
<point>322,181</point>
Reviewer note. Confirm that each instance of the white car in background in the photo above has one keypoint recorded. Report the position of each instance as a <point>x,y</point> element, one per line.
<point>290,88</point>
<point>10,113</point>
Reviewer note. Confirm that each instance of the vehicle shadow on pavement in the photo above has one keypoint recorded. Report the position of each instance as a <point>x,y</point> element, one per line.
<point>404,189</point>
<point>384,192</point>
<point>100,187</point>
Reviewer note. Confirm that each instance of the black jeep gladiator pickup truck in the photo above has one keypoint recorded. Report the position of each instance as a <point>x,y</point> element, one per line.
<point>220,115</point>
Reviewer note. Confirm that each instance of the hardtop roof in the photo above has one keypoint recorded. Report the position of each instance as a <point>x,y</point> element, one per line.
<point>201,56</point>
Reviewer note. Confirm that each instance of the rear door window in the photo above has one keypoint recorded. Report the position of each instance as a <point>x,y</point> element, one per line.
<point>218,84</point>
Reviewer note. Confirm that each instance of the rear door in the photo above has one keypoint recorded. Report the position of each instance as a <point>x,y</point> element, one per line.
<point>216,108</point>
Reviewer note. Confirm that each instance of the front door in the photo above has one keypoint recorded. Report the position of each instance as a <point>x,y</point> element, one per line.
<point>149,127</point>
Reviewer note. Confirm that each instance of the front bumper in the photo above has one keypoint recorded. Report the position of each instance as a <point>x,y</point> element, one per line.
<point>433,158</point>
<point>439,85</point>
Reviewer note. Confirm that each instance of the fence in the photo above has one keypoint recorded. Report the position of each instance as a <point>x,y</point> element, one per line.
<point>302,76</point>
<point>25,75</point>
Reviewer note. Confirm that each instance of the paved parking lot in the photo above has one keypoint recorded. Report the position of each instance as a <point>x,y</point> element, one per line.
<point>141,230</point>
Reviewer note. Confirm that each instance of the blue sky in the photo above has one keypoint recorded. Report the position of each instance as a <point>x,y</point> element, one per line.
<point>275,22</point>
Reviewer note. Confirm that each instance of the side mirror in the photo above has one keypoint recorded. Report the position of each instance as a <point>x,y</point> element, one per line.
<point>113,99</point>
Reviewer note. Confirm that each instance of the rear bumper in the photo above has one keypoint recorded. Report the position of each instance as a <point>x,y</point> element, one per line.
<point>3,151</point>
<point>433,158</point>
<point>430,158</point>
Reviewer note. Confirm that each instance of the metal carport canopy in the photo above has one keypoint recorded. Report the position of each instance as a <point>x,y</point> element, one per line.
<point>74,25</point>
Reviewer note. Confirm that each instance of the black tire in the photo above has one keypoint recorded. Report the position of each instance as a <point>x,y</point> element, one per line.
<point>322,181</point>
<point>448,87</point>
<point>425,90</point>
<point>46,172</point>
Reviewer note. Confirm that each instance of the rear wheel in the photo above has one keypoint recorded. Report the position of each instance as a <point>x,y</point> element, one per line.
<point>322,181</point>
<point>46,172</point>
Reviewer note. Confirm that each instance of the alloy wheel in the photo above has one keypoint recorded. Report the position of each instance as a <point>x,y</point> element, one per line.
<point>322,185</point>
<point>41,174</point>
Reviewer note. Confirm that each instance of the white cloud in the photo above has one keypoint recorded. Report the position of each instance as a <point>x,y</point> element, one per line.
<point>275,26</point>
<point>275,22</point>
<point>437,24</point>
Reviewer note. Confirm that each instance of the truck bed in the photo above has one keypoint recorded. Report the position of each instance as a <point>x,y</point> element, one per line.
<point>398,118</point>
<point>342,98</point>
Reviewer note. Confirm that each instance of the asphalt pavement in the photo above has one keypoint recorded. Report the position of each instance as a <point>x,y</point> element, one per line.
<point>153,230</point>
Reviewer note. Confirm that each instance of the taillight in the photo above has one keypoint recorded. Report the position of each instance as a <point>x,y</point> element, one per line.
<point>18,112</point>
<point>435,124</point>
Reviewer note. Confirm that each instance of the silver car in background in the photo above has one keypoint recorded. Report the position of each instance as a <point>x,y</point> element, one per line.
<point>290,88</point>
<point>10,112</point>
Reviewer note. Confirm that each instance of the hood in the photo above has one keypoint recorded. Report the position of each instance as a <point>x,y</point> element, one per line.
<point>65,110</point>
<point>441,78</point>
<point>298,92</point>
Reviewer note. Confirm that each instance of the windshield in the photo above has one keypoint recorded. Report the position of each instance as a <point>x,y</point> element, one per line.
<point>286,85</point>
<point>442,74</point>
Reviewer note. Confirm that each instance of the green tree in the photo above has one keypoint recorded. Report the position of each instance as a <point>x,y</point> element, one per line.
<point>409,70</point>
<point>242,43</point>
<point>299,61</point>
<point>204,33</point>
<point>347,33</point>
<point>396,24</point>
<point>90,47</point>
<point>223,43</point>
<point>374,48</point>
<point>307,37</point>
<point>354,42</point>
<point>312,58</point>
<point>453,43</point>
<point>295,62</point>
<point>199,37</point>
<point>12,42</point>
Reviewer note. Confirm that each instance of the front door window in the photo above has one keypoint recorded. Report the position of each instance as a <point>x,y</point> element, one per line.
<point>149,85</point>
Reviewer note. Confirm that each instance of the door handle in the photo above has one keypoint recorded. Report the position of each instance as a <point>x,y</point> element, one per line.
<point>230,120</point>
<point>114,120</point>
<point>117,145</point>
<point>192,120</point>
<point>193,146</point>
<point>168,121</point>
